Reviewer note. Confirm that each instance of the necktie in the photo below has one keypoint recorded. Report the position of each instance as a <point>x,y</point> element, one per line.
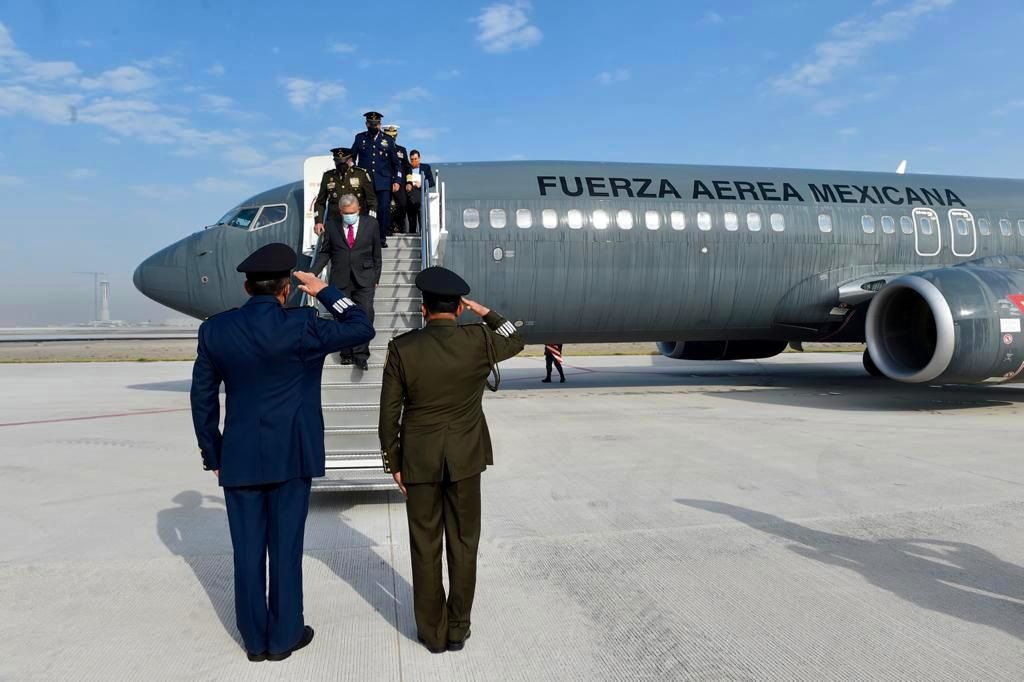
<point>351,236</point>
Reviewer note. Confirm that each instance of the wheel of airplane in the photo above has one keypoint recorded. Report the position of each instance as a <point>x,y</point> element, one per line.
<point>870,366</point>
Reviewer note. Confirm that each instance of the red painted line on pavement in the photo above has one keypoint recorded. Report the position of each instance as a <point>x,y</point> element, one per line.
<point>96,416</point>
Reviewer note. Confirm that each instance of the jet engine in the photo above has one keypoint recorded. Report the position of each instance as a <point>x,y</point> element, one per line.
<point>721,350</point>
<point>960,324</point>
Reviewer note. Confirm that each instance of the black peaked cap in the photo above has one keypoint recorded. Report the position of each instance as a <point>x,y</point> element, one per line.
<point>442,282</point>
<point>269,262</point>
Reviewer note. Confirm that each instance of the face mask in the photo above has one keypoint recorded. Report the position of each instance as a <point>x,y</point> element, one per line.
<point>350,218</point>
<point>373,127</point>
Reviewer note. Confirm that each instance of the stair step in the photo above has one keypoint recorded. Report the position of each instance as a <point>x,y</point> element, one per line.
<point>394,277</point>
<point>404,304</point>
<point>348,374</point>
<point>378,354</point>
<point>404,290</point>
<point>345,393</point>
<point>384,319</point>
<point>357,416</point>
<point>402,249</point>
<point>351,438</point>
<point>354,480</point>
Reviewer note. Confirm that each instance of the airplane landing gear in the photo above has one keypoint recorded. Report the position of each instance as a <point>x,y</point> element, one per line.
<point>870,366</point>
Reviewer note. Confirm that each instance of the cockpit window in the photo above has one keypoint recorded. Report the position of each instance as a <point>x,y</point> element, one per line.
<point>271,215</point>
<point>240,217</point>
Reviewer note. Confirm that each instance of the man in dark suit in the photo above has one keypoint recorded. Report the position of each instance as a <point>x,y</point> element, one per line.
<point>375,151</point>
<point>270,360</point>
<point>435,442</point>
<point>352,245</point>
<point>418,181</point>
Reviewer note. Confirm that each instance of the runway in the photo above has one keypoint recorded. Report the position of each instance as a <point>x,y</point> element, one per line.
<point>788,519</point>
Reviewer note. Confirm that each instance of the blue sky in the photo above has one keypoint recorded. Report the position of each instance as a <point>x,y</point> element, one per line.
<point>124,127</point>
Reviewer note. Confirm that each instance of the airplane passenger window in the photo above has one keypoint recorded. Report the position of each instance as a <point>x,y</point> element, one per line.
<point>575,219</point>
<point>961,227</point>
<point>704,221</point>
<point>471,218</point>
<point>754,222</point>
<point>984,227</point>
<point>868,223</point>
<point>678,220</point>
<point>653,220</point>
<point>906,225</point>
<point>600,219</point>
<point>1005,227</point>
<point>271,215</point>
<point>1020,227</point>
<point>732,221</point>
<point>524,218</point>
<point>625,220</point>
<point>498,218</point>
<point>825,222</point>
<point>550,218</point>
<point>778,222</point>
<point>242,217</point>
<point>888,224</point>
<point>926,225</point>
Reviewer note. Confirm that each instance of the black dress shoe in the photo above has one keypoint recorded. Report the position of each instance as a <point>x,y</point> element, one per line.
<point>362,364</point>
<point>307,637</point>
<point>383,245</point>
<point>457,646</point>
<point>256,658</point>
<point>546,381</point>
<point>433,650</point>
<point>346,359</point>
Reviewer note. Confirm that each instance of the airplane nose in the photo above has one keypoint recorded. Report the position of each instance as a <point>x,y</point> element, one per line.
<point>163,277</point>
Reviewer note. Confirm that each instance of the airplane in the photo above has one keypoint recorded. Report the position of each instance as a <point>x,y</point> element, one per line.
<point>709,262</point>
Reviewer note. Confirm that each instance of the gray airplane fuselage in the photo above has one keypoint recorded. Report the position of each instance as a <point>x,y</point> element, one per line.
<point>606,252</point>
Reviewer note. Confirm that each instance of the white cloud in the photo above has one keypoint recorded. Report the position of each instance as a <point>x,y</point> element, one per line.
<point>145,120</point>
<point>85,43</point>
<point>221,186</point>
<point>417,133</point>
<point>851,40</point>
<point>1009,107</point>
<point>849,132</point>
<point>712,18</point>
<point>447,75</point>
<point>49,108</point>
<point>10,181</point>
<point>410,95</point>
<point>244,155</point>
<point>215,102</point>
<point>504,27</point>
<point>342,48</point>
<point>613,76</point>
<point>217,70</point>
<point>81,173</point>
<point>386,61</point>
<point>123,79</point>
<point>303,92</point>
<point>282,168</point>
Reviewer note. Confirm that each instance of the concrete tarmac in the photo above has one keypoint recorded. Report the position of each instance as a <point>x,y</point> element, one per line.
<point>788,519</point>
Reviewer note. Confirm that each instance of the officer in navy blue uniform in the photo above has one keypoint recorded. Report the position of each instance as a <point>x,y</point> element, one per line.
<point>377,153</point>
<point>270,360</point>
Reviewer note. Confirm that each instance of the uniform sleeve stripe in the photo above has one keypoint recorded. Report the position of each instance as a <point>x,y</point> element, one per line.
<point>342,304</point>
<point>507,329</point>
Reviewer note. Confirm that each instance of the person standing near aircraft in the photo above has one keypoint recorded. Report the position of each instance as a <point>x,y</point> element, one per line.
<point>269,359</point>
<point>353,248</point>
<point>435,443</point>
<point>375,152</point>
<point>344,178</point>
<point>419,179</point>
<point>553,356</point>
<point>400,196</point>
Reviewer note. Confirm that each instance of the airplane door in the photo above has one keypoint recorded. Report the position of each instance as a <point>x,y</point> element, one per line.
<point>962,234</point>
<point>927,237</point>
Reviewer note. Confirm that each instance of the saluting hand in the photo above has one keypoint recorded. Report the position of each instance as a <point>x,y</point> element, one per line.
<point>309,283</point>
<point>476,308</point>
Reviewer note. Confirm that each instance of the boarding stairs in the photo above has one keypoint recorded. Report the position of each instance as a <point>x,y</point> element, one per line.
<point>350,396</point>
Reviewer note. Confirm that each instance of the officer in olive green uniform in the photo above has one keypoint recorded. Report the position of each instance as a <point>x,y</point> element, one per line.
<point>435,443</point>
<point>344,178</point>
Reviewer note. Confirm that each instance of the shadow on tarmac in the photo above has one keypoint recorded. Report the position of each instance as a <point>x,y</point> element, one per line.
<point>953,578</point>
<point>196,532</point>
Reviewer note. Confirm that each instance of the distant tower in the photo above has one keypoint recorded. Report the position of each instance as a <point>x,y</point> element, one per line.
<point>104,294</point>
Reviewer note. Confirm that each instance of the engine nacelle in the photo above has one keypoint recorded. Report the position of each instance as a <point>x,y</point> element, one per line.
<point>950,325</point>
<point>721,350</point>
